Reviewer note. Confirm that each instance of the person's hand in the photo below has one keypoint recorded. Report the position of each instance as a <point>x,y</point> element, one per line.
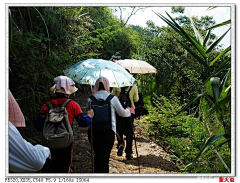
<point>49,158</point>
<point>90,113</point>
<point>129,108</point>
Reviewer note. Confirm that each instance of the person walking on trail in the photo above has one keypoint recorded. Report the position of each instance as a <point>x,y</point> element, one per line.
<point>63,88</point>
<point>23,156</point>
<point>103,136</point>
<point>124,125</point>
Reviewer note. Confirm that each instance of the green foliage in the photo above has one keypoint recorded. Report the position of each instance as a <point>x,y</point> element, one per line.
<point>179,9</point>
<point>46,40</point>
<point>178,72</point>
<point>202,56</point>
<point>184,136</point>
<point>43,41</point>
<point>115,39</point>
<point>202,50</point>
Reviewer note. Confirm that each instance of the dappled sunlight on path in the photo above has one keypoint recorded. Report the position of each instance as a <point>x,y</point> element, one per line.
<point>153,159</point>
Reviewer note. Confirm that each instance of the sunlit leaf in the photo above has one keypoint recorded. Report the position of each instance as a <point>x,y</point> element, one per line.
<point>191,39</point>
<point>224,81</point>
<point>211,8</point>
<point>194,41</point>
<point>198,35</point>
<point>216,42</point>
<point>207,38</point>
<point>221,54</point>
<point>220,25</point>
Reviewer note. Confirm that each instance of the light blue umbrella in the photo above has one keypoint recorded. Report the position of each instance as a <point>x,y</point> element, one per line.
<point>88,71</point>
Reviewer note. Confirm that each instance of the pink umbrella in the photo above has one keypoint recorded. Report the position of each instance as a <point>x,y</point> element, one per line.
<point>136,66</point>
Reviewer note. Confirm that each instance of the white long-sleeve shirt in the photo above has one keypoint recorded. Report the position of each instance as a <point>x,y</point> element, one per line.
<point>115,106</point>
<point>23,156</point>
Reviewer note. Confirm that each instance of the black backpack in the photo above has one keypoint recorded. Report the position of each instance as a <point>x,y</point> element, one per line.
<point>102,113</point>
<point>124,98</point>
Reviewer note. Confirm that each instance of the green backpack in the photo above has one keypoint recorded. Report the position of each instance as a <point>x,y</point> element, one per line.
<point>57,131</point>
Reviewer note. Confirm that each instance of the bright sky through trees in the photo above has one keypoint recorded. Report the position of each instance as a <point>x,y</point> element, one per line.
<point>219,14</point>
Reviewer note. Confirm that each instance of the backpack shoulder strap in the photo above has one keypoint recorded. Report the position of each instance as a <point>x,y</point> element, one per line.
<point>109,97</point>
<point>66,102</point>
<point>129,89</point>
<point>49,104</point>
<point>93,98</point>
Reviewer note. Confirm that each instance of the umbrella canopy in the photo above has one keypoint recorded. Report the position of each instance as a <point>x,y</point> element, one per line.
<point>136,66</point>
<point>88,71</point>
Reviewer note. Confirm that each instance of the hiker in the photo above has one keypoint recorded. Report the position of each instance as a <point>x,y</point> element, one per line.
<point>115,57</point>
<point>103,136</point>
<point>124,125</point>
<point>63,88</point>
<point>23,156</point>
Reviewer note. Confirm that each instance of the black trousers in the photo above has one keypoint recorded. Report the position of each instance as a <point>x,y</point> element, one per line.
<point>61,160</point>
<point>124,127</point>
<point>102,145</point>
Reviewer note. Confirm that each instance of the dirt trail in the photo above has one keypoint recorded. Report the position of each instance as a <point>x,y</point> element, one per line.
<point>153,159</point>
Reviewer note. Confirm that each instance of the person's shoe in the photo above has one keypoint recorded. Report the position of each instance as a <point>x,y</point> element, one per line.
<point>120,150</point>
<point>129,156</point>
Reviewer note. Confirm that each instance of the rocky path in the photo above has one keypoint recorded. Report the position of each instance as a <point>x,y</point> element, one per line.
<point>152,158</point>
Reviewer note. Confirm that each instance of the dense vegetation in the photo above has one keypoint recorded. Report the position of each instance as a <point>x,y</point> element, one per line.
<point>188,99</point>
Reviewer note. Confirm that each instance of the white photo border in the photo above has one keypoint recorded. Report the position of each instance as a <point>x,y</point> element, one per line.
<point>75,175</point>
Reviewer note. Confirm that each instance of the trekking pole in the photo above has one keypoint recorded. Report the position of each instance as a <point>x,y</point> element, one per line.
<point>91,142</point>
<point>135,143</point>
